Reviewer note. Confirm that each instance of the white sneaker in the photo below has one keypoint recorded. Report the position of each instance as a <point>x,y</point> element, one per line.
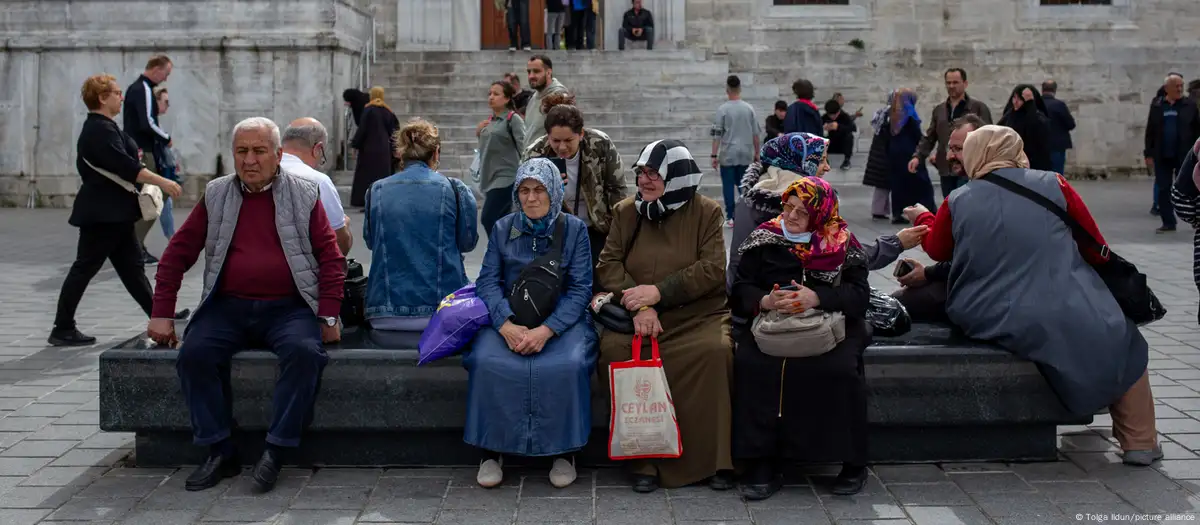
<point>562,473</point>
<point>527,48</point>
<point>729,223</point>
<point>490,473</point>
<point>511,49</point>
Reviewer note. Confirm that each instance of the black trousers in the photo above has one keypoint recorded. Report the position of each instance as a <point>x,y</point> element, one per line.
<point>116,243</point>
<point>518,24</point>
<point>496,204</point>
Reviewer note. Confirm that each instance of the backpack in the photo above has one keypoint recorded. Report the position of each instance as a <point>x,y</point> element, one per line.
<point>536,291</point>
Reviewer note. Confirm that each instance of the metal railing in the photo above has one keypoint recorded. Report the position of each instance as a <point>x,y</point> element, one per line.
<point>362,70</point>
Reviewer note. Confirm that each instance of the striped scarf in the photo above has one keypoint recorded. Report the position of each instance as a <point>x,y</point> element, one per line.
<point>672,160</point>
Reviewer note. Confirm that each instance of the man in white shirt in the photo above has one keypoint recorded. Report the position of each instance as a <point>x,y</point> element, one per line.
<point>303,152</point>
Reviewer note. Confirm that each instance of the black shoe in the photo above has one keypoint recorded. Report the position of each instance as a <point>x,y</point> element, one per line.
<point>722,480</point>
<point>760,491</point>
<point>899,220</point>
<point>182,314</point>
<point>216,468</point>
<point>72,337</point>
<point>849,481</point>
<point>1164,229</point>
<point>645,484</point>
<point>266,471</point>
<point>845,166</point>
<point>149,260</point>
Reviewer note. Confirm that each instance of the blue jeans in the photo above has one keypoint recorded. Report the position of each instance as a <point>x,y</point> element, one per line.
<point>1164,179</point>
<point>227,325</point>
<point>166,220</point>
<point>1058,161</point>
<point>731,177</point>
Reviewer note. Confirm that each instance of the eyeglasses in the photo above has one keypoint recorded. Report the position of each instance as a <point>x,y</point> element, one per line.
<point>788,209</point>
<point>651,175</point>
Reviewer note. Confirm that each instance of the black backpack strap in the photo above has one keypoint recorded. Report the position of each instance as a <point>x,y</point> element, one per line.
<point>560,232</point>
<point>1081,234</point>
<point>513,138</point>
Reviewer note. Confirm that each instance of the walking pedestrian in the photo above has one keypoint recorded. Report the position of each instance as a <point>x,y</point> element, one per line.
<point>105,209</point>
<point>735,134</point>
<point>1061,124</point>
<point>373,140</point>
<point>141,123</point>
<point>909,183</point>
<point>958,103</point>
<point>1026,113</point>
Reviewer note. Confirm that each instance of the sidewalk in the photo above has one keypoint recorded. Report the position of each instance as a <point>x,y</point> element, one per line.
<point>56,467</point>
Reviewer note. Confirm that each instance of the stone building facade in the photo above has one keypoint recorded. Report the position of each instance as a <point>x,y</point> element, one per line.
<point>233,59</point>
<point>288,58</point>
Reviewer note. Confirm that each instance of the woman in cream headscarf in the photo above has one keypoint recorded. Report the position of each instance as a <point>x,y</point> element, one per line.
<point>1019,279</point>
<point>373,140</point>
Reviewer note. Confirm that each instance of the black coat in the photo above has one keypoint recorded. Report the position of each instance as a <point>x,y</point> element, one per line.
<point>100,200</point>
<point>376,150</point>
<point>1061,123</point>
<point>1187,124</point>
<point>1032,123</point>
<point>841,141</point>
<point>140,115</point>
<point>876,172</point>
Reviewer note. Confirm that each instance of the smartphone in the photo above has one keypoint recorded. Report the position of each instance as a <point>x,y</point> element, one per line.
<point>790,288</point>
<point>561,164</point>
<point>903,268</point>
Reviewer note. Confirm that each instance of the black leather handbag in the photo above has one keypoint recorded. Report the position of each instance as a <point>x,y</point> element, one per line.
<point>354,295</point>
<point>613,316</point>
<point>1128,286</point>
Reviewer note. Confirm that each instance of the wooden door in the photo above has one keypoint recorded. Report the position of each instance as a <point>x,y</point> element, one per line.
<point>495,29</point>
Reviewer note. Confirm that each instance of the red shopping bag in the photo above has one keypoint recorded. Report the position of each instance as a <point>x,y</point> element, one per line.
<point>642,423</point>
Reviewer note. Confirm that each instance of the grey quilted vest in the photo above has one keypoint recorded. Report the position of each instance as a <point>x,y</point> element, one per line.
<point>295,199</point>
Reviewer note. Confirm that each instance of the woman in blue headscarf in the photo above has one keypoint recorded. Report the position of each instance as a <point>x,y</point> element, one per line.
<point>530,386</point>
<point>903,127</point>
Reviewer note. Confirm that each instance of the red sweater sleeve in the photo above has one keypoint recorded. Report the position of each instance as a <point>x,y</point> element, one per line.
<point>1079,211</point>
<point>939,242</point>
<point>331,276</point>
<point>179,257</point>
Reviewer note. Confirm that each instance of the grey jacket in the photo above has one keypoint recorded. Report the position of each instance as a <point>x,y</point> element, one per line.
<point>534,119</point>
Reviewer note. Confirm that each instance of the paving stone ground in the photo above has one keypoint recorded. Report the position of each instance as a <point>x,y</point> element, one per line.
<point>56,467</point>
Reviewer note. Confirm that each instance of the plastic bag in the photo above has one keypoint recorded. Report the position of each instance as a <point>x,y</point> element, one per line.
<point>474,169</point>
<point>455,323</point>
<point>887,316</point>
<point>643,423</point>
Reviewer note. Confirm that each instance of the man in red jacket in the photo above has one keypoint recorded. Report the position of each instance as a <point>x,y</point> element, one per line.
<point>273,278</point>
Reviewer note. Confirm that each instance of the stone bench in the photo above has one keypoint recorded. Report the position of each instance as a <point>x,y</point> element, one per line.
<point>933,397</point>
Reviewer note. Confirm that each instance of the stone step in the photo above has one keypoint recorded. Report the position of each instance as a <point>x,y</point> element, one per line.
<point>623,133</point>
<point>604,119</point>
<point>627,102</point>
<point>617,91</point>
<point>495,70</point>
<point>558,57</point>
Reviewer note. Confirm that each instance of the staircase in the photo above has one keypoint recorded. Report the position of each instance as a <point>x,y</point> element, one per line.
<point>634,96</point>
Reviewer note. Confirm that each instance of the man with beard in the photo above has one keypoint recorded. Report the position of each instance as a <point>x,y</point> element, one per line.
<point>541,79</point>
<point>924,288</point>
<point>957,105</point>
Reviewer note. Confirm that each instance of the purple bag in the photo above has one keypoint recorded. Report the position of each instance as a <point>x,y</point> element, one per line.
<point>456,321</point>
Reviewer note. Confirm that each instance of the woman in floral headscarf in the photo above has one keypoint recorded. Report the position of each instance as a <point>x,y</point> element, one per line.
<point>530,387</point>
<point>801,409</point>
<point>784,160</point>
<point>664,260</point>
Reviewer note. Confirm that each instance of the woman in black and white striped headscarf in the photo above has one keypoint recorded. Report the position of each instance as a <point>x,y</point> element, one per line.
<point>664,262</point>
<point>667,178</point>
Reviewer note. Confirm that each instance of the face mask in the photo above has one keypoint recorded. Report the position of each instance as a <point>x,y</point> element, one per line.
<point>795,237</point>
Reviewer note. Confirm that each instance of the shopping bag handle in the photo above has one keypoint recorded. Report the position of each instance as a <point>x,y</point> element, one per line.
<point>637,349</point>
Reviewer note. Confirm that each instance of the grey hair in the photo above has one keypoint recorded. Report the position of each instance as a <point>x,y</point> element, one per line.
<point>308,135</point>
<point>260,123</point>
<point>1172,75</point>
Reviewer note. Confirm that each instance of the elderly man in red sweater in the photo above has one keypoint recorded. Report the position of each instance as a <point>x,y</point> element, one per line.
<point>273,276</point>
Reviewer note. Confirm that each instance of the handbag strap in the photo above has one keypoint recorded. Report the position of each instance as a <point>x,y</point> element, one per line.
<point>128,186</point>
<point>1080,232</point>
<point>637,349</point>
<point>560,231</point>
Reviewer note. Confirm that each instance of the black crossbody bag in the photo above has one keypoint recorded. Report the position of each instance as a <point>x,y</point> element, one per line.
<point>538,287</point>
<point>1128,286</point>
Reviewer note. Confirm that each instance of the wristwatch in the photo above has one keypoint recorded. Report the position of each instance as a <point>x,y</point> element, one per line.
<point>329,321</point>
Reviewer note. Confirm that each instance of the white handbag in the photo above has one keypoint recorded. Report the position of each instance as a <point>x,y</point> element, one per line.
<point>150,199</point>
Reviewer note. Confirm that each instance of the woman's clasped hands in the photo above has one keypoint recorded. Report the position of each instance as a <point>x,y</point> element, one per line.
<point>525,341</point>
<point>790,301</point>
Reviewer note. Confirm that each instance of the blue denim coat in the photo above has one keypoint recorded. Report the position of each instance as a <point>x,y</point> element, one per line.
<point>417,235</point>
<point>540,404</point>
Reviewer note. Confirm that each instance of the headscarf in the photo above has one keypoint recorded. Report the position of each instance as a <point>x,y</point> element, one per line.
<point>907,100</point>
<point>672,160</point>
<point>1037,99</point>
<point>831,239</point>
<point>800,153</point>
<point>882,113</point>
<point>991,148</point>
<point>543,171</point>
<point>358,100</point>
<point>377,99</point>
